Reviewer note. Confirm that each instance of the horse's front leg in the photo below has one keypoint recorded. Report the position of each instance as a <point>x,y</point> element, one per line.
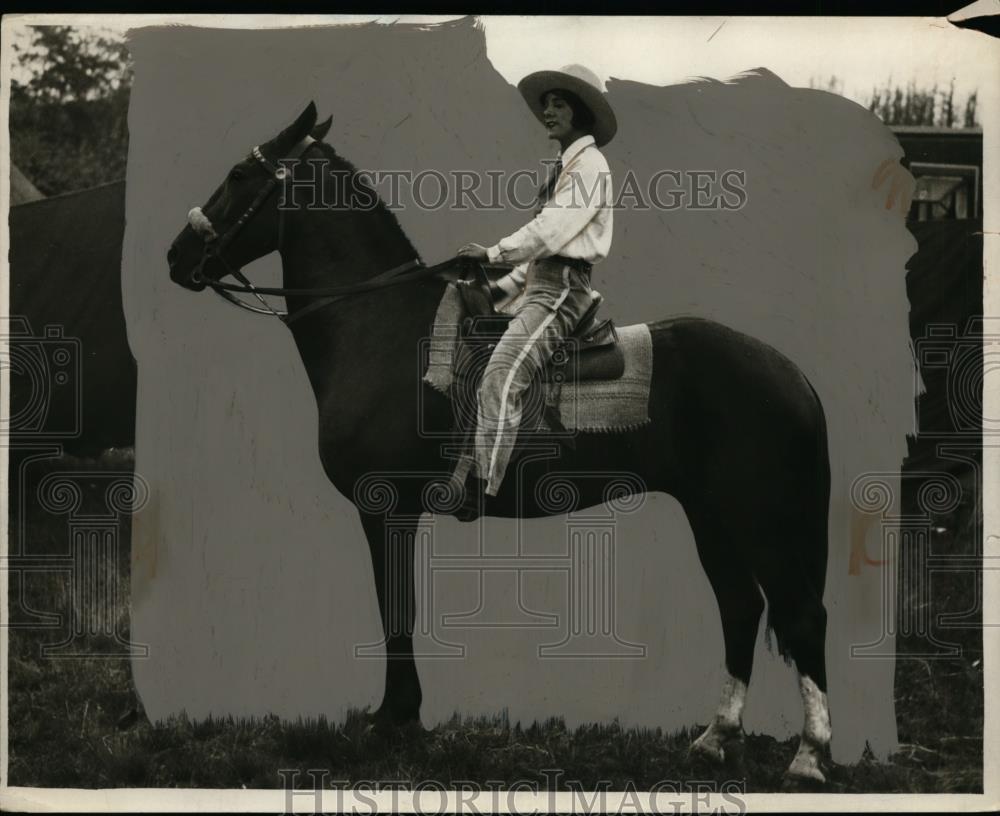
<point>391,540</point>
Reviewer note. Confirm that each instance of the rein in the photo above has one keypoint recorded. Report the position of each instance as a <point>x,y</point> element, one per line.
<point>215,246</point>
<point>404,273</point>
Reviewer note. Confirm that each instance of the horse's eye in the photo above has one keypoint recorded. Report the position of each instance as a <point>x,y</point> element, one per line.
<point>237,173</point>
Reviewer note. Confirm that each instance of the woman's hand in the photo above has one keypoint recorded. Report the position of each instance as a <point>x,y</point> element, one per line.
<point>475,251</point>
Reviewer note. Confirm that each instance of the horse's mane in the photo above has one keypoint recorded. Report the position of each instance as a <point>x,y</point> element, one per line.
<point>751,75</point>
<point>386,218</point>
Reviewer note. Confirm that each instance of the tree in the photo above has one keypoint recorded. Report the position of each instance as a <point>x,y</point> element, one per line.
<point>970,110</point>
<point>66,64</point>
<point>919,106</point>
<point>69,119</point>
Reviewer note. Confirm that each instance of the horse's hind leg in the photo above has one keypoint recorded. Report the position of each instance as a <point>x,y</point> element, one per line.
<point>808,652</point>
<point>740,607</point>
<point>798,617</point>
<point>815,741</point>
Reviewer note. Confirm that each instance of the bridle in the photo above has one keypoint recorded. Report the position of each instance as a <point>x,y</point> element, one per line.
<point>215,246</point>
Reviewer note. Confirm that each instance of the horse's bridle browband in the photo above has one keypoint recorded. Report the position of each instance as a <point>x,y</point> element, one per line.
<point>215,245</point>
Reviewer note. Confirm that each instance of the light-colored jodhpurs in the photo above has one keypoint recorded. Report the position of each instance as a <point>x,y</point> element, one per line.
<point>554,299</point>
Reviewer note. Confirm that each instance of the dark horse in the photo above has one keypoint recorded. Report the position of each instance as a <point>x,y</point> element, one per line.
<point>737,433</point>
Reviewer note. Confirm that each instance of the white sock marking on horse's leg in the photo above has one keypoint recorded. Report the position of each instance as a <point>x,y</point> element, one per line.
<point>817,722</point>
<point>816,732</point>
<point>728,720</point>
<point>734,697</point>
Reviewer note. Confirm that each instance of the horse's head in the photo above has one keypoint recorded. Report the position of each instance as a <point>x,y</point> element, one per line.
<point>241,221</point>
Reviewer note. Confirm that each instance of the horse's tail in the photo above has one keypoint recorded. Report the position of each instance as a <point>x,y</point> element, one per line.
<point>821,519</point>
<point>805,557</point>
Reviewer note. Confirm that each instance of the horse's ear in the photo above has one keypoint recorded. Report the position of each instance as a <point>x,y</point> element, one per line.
<point>299,129</point>
<point>322,129</point>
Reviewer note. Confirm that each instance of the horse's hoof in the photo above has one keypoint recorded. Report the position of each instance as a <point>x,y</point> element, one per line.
<point>800,776</point>
<point>388,723</point>
<point>797,784</point>
<point>805,770</point>
<point>707,750</point>
<point>718,746</point>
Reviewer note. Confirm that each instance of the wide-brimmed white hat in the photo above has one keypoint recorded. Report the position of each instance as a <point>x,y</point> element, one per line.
<point>581,81</point>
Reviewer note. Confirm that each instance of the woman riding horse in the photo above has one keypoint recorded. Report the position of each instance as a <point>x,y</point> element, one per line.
<point>754,483</point>
<point>549,290</point>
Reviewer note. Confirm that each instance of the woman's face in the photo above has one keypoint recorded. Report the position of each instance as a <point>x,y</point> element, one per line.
<point>557,116</point>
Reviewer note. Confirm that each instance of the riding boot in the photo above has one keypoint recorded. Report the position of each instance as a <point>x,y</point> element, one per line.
<point>473,499</point>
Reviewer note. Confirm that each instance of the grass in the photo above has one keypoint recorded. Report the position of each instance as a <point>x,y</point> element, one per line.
<point>65,713</point>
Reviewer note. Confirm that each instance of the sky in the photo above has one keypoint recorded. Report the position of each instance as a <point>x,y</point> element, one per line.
<point>861,52</point>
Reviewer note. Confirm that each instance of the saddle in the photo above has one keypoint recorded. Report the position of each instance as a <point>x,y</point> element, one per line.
<point>590,352</point>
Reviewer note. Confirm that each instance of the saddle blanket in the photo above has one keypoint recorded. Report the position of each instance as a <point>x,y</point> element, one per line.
<point>593,406</point>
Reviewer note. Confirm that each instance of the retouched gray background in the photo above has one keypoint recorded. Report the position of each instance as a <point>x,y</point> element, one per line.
<point>250,575</point>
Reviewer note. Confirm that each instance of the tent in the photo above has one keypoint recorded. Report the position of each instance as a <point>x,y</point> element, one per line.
<point>65,296</point>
